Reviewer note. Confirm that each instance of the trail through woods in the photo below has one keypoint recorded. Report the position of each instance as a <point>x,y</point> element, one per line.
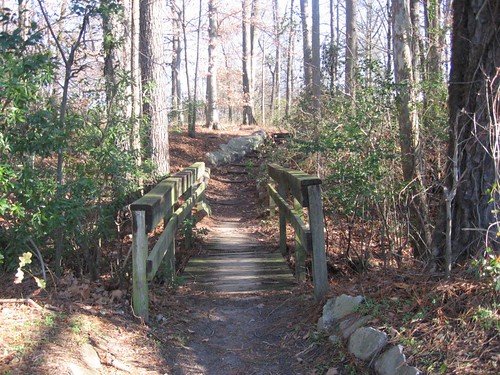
<point>243,316</point>
<point>263,324</point>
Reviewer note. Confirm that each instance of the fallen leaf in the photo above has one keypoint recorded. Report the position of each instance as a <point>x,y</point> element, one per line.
<point>402,286</point>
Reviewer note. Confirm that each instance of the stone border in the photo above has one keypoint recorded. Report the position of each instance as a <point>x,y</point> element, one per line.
<point>341,321</point>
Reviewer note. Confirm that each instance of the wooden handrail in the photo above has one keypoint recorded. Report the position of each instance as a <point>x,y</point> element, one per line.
<point>295,181</point>
<point>147,212</point>
<point>294,191</point>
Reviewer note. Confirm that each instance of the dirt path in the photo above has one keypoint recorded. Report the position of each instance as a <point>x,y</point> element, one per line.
<point>240,319</point>
<point>77,327</point>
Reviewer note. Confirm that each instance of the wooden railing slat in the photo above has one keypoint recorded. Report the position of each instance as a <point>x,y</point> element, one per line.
<point>156,202</point>
<point>296,181</point>
<point>147,212</point>
<point>298,225</point>
<point>162,245</point>
<point>306,192</point>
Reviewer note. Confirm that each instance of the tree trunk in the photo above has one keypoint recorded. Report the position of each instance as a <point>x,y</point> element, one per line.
<point>136,81</point>
<point>248,30</point>
<point>473,173</point>
<point>388,67</point>
<point>433,31</point>
<point>289,63</point>
<point>417,44</point>
<point>351,48</point>
<point>176,63</point>
<point>276,89</point>
<point>153,65</point>
<point>409,127</point>
<point>117,68</point>
<point>306,44</point>
<point>191,97</point>
<point>332,55</point>
<point>24,19</point>
<point>316,60</point>
<point>212,120</point>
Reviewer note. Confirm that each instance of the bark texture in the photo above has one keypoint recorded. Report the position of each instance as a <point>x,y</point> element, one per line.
<point>474,105</point>
<point>177,113</point>
<point>212,94</point>
<point>316,58</point>
<point>306,43</point>
<point>153,68</point>
<point>351,48</point>
<point>249,12</point>
<point>409,127</point>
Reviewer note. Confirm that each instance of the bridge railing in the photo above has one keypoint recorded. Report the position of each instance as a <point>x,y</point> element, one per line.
<point>298,195</point>
<point>147,212</point>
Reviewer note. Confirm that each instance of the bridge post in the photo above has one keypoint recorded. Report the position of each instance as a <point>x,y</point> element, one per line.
<point>139,259</point>
<point>317,227</point>
<point>300,251</point>
<point>282,221</point>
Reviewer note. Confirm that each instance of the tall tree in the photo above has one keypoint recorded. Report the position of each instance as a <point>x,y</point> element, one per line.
<point>351,47</point>
<point>192,97</point>
<point>316,58</point>
<point>276,88</point>
<point>306,43</point>
<point>154,80</point>
<point>212,120</point>
<point>176,62</point>
<point>434,35</point>
<point>470,219</point>
<point>409,126</point>
<point>122,71</point>
<point>249,13</point>
<point>289,61</point>
<point>117,64</point>
<point>136,80</point>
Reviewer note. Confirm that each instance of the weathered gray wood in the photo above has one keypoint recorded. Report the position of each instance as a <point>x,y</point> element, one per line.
<point>170,262</point>
<point>139,255</point>
<point>282,224</point>
<point>296,181</point>
<point>188,235</point>
<point>146,214</point>
<point>300,254</point>
<point>297,224</point>
<point>272,208</point>
<point>164,245</point>
<point>157,202</point>
<point>316,223</point>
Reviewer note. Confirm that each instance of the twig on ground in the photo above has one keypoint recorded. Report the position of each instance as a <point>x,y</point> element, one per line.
<point>27,301</point>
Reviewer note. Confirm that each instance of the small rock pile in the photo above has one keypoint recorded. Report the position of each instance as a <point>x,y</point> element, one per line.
<point>342,322</point>
<point>236,148</point>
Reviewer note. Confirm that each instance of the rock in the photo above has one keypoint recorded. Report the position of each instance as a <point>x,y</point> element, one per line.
<point>75,369</point>
<point>393,362</point>
<point>321,324</point>
<point>349,325</point>
<point>365,343</point>
<point>334,339</point>
<point>332,371</point>
<point>90,356</point>
<point>236,148</point>
<point>338,307</point>
<point>409,370</point>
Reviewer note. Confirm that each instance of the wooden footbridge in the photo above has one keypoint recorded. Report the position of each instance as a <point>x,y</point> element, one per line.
<point>233,261</point>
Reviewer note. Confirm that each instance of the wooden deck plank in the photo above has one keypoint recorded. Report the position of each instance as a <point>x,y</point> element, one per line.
<point>235,262</point>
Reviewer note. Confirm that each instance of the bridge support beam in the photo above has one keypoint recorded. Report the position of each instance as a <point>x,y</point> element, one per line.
<point>317,226</point>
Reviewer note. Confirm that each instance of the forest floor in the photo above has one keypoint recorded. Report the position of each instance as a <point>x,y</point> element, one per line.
<point>78,326</point>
